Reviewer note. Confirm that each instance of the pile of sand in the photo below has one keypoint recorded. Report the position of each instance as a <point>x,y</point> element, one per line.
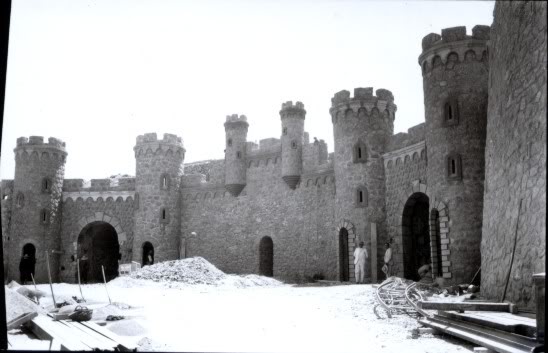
<point>191,271</point>
<point>17,304</point>
<point>194,270</point>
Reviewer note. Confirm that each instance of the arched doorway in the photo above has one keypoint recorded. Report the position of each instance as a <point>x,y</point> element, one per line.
<point>99,241</point>
<point>148,249</point>
<point>27,267</point>
<point>344,273</point>
<point>266,257</point>
<point>415,235</point>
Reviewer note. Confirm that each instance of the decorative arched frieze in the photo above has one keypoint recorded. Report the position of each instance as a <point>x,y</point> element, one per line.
<point>93,196</point>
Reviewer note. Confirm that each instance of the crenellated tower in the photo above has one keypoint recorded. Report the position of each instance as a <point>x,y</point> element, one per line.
<point>455,81</point>
<point>36,207</point>
<point>235,153</point>
<point>292,116</point>
<point>159,167</point>
<point>362,126</point>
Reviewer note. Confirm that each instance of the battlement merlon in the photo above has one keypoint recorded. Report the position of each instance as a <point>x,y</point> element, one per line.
<point>292,110</point>
<point>234,122</point>
<point>37,142</point>
<point>364,98</point>
<point>454,40</point>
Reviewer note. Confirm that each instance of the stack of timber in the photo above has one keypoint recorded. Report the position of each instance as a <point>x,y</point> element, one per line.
<point>489,325</point>
<point>77,336</point>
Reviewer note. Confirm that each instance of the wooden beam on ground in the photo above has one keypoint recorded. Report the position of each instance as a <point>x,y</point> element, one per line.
<point>124,344</point>
<point>464,306</point>
<point>21,319</point>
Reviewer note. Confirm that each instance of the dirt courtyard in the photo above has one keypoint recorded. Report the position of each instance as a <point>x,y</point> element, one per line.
<point>272,318</point>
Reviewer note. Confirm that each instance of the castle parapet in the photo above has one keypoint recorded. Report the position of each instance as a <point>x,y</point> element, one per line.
<point>436,48</point>
<point>192,180</point>
<point>53,149</point>
<point>170,142</point>
<point>38,142</point>
<point>363,98</point>
<point>292,110</point>
<point>234,121</point>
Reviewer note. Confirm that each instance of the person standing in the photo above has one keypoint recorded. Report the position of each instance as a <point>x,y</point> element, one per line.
<point>25,268</point>
<point>360,256</point>
<point>84,267</point>
<point>387,268</point>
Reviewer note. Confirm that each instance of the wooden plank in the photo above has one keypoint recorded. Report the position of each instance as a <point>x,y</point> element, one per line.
<point>452,306</point>
<point>125,344</point>
<point>105,341</point>
<point>497,320</point>
<point>21,319</point>
<point>46,329</point>
<point>86,338</point>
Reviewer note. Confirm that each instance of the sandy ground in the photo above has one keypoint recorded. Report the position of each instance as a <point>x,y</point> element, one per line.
<point>225,318</point>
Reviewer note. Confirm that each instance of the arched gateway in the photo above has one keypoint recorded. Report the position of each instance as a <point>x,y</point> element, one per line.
<point>415,235</point>
<point>100,242</point>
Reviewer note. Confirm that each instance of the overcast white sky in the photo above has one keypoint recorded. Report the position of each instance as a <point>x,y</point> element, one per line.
<point>98,73</point>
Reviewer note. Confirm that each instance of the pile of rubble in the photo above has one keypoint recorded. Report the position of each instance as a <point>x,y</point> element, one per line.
<point>194,270</point>
<point>18,304</point>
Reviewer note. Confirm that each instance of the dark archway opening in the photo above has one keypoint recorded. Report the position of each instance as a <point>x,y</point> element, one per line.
<point>99,242</point>
<point>148,254</point>
<point>266,257</point>
<point>28,262</point>
<point>344,273</point>
<point>415,235</point>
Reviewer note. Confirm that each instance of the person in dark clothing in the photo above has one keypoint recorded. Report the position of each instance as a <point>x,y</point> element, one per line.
<point>26,267</point>
<point>84,267</point>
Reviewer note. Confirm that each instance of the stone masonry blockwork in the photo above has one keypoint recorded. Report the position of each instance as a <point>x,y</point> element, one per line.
<point>456,180</point>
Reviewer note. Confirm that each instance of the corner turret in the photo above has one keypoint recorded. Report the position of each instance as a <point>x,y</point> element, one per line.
<point>455,82</point>
<point>36,211</point>
<point>235,153</point>
<point>159,168</point>
<point>292,116</point>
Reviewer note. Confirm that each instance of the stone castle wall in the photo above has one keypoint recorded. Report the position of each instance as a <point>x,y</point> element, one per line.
<point>300,222</point>
<point>515,153</point>
<point>455,69</point>
<point>78,212</point>
<point>402,168</point>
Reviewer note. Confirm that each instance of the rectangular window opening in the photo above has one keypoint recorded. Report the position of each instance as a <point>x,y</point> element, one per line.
<point>453,167</point>
<point>361,197</point>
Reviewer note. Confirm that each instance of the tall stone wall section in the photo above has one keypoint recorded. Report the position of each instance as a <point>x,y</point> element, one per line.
<point>6,192</point>
<point>229,229</point>
<point>36,213</point>
<point>405,165</point>
<point>515,153</point>
<point>455,68</point>
<point>159,167</point>
<point>362,126</point>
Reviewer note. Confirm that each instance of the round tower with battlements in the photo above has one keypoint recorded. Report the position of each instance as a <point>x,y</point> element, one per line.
<point>362,126</point>
<point>36,210</point>
<point>235,153</point>
<point>159,167</point>
<point>455,81</point>
<point>292,116</point>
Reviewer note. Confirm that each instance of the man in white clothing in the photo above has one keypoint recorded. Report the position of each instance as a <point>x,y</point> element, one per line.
<point>360,255</point>
<point>387,268</point>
